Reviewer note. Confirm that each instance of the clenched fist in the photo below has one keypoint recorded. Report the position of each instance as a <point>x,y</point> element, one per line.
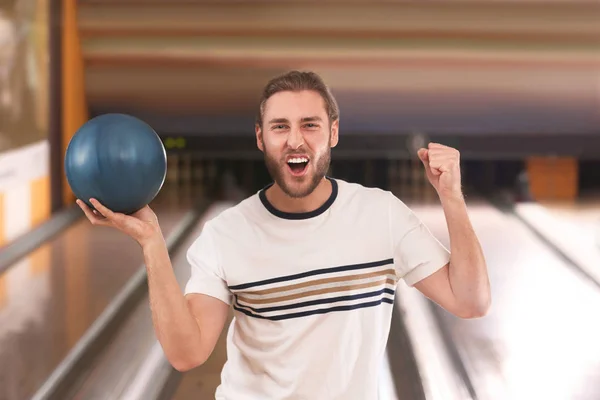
<point>442,165</point>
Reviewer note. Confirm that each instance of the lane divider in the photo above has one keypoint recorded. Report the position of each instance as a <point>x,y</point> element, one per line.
<point>28,242</point>
<point>105,326</point>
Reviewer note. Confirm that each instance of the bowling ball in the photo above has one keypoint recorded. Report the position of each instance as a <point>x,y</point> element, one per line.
<point>118,160</point>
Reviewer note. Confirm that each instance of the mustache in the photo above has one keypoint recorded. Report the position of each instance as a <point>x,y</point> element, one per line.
<point>297,153</point>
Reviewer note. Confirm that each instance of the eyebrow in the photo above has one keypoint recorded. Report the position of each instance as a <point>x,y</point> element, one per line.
<point>309,119</point>
<point>285,120</point>
<point>278,121</point>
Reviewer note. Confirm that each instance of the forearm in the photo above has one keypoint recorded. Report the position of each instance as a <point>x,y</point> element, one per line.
<point>174,324</point>
<point>468,271</point>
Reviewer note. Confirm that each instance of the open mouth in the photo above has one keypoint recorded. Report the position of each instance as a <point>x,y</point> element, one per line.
<point>298,165</point>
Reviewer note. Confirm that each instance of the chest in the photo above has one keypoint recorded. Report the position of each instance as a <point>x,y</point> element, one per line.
<point>299,258</point>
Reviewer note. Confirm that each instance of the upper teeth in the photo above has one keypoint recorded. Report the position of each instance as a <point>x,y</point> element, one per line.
<point>298,160</point>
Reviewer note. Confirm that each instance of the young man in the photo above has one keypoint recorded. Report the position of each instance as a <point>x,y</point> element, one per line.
<point>309,264</point>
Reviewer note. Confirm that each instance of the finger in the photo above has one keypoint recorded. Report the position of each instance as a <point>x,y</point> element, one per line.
<point>118,220</point>
<point>96,213</point>
<point>443,154</point>
<point>109,214</point>
<point>443,160</point>
<point>446,160</point>
<point>95,220</point>
<point>444,150</point>
<point>434,145</point>
<point>435,170</point>
<point>144,213</point>
<point>436,165</point>
<point>438,161</point>
<point>423,156</point>
<point>444,167</point>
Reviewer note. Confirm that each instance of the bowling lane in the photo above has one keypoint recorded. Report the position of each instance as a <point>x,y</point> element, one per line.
<point>540,339</point>
<point>583,214</point>
<point>571,226</point>
<point>51,297</point>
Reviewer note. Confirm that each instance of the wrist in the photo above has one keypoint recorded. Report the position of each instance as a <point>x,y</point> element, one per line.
<point>153,243</point>
<point>452,198</point>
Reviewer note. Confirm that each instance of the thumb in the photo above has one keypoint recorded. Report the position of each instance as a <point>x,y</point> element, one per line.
<point>423,156</point>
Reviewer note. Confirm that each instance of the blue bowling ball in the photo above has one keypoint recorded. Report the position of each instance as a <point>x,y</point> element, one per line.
<point>118,160</point>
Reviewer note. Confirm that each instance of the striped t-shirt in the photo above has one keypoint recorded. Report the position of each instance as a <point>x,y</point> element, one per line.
<point>312,292</point>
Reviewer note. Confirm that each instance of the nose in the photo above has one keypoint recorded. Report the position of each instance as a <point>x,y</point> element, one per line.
<point>295,139</point>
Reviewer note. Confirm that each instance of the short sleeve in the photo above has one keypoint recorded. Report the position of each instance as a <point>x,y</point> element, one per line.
<point>206,274</point>
<point>417,253</point>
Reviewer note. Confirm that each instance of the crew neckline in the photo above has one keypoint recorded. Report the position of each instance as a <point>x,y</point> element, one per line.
<point>299,215</point>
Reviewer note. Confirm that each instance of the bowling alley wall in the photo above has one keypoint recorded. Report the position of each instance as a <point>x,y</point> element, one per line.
<point>24,116</point>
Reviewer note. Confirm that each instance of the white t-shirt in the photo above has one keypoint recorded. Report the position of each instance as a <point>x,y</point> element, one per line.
<point>312,292</point>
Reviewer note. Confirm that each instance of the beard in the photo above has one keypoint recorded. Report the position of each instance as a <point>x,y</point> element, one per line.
<point>297,188</point>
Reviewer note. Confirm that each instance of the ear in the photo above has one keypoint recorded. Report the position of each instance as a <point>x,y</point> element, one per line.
<point>335,125</point>
<point>259,141</point>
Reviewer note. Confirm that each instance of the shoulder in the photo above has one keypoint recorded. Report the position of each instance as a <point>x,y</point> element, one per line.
<point>228,218</point>
<point>358,194</point>
<point>221,222</point>
<point>376,203</point>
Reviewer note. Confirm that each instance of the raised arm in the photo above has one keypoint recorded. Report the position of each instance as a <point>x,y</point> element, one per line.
<point>461,286</point>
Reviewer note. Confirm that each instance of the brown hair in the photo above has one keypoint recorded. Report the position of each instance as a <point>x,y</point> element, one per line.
<point>295,81</point>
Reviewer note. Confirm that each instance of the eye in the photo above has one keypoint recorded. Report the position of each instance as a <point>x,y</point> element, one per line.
<point>278,127</point>
<point>310,125</point>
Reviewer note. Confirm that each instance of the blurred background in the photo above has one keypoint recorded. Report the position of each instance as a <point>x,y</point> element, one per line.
<point>513,85</point>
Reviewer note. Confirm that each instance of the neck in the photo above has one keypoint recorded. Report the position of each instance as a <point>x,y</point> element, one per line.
<point>313,201</point>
